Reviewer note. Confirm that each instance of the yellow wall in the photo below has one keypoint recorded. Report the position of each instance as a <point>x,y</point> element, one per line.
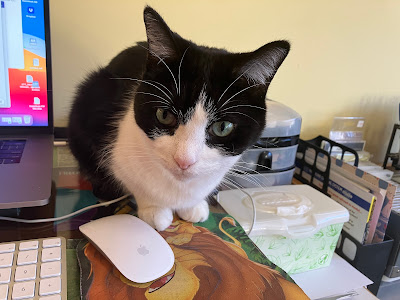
<point>345,57</point>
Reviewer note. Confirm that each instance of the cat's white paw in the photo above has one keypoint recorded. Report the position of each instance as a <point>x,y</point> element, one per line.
<point>156,217</point>
<point>197,213</point>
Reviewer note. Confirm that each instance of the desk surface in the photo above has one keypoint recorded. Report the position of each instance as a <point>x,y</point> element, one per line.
<point>69,193</point>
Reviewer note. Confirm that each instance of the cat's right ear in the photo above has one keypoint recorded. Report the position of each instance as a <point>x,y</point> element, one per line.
<point>159,37</point>
<point>261,65</point>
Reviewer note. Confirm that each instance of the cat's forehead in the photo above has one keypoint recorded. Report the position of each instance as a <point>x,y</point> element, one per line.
<point>199,75</point>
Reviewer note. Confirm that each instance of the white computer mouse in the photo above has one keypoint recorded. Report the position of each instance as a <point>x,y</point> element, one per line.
<point>136,249</point>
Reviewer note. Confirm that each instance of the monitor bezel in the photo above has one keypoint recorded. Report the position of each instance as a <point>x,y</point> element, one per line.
<point>49,129</point>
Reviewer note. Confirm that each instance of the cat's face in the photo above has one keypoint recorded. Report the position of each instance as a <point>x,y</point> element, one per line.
<point>201,107</point>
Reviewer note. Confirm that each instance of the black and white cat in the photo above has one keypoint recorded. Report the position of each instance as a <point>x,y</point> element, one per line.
<point>167,119</point>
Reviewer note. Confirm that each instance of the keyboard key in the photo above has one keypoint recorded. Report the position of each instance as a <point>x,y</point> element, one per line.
<point>23,273</point>
<point>3,291</point>
<point>6,259</point>
<point>14,142</point>
<point>52,297</point>
<point>15,147</point>
<point>9,155</point>
<point>50,286</point>
<point>28,245</point>
<point>50,269</point>
<point>33,269</point>
<point>13,151</point>
<point>27,257</point>
<point>56,242</point>
<point>4,248</point>
<point>22,290</point>
<point>5,274</point>
<point>11,161</point>
<point>51,254</point>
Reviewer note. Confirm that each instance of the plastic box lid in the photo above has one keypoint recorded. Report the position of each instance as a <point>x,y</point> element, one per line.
<point>293,211</point>
<point>281,120</point>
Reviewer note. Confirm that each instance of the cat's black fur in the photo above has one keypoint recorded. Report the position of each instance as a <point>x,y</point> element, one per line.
<point>106,93</point>
<point>99,100</point>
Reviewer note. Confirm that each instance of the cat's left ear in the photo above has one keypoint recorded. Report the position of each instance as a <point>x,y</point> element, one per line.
<point>159,37</point>
<point>261,65</point>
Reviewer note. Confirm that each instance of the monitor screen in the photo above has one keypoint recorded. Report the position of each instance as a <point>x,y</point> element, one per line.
<point>23,79</point>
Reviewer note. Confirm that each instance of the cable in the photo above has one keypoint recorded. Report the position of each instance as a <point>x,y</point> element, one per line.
<point>254,211</point>
<point>66,216</point>
<point>252,203</point>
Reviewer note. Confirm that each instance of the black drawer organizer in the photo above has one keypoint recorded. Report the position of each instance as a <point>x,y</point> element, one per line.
<point>323,148</point>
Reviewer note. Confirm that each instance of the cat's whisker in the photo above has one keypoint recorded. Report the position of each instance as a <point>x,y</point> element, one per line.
<point>105,156</point>
<point>167,107</point>
<point>223,184</point>
<point>154,95</point>
<point>143,81</point>
<point>162,60</point>
<point>239,113</point>
<point>241,162</point>
<point>241,91</point>
<point>255,182</point>
<point>246,176</point>
<point>250,169</point>
<point>253,175</point>
<point>230,86</point>
<point>253,171</point>
<point>156,82</point>
<point>232,183</point>
<point>251,182</point>
<point>174,110</point>
<point>179,72</point>
<point>257,147</point>
<point>242,105</point>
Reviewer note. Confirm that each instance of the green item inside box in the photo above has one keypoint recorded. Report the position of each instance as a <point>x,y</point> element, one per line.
<point>300,255</point>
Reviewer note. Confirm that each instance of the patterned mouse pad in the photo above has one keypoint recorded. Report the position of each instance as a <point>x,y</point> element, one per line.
<point>213,260</point>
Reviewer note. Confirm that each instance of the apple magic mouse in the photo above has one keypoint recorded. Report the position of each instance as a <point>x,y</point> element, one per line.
<point>136,249</point>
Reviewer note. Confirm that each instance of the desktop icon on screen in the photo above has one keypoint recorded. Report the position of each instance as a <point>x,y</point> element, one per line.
<point>17,120</point>
<point>6,120</point>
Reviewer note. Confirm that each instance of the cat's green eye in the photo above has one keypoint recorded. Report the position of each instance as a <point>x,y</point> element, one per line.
<point>165,117</point>
<point>222,128</point>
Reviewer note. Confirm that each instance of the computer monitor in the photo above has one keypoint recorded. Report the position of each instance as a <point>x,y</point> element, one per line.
<point>25,79</point>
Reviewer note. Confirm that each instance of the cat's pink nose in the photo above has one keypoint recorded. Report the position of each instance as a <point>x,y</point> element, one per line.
<point>184,162</point>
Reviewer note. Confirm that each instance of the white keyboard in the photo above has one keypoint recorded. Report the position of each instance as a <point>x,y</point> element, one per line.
<point>33,269</point>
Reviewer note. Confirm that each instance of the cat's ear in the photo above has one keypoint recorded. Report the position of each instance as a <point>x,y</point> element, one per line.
<point>261,65</point>
<point>159,37</point>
